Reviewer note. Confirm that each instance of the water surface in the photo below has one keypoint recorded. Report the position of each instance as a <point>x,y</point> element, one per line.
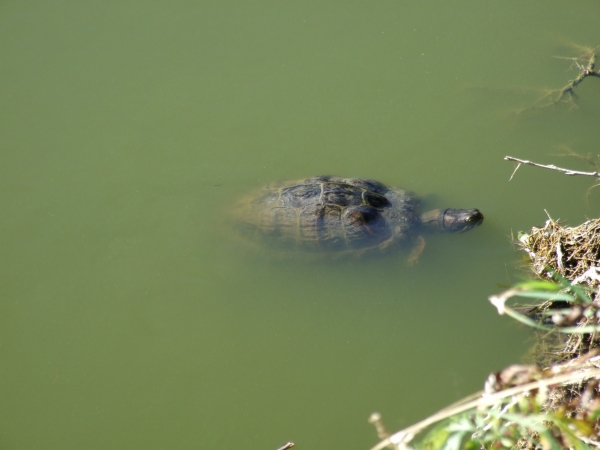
<point>132,318</point>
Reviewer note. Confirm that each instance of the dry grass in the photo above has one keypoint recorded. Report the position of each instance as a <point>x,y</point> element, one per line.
<point>573,252</point>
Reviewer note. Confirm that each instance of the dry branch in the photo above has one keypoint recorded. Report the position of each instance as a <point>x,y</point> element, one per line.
<point>402,438</point>
<point>586,65</point>
<point>550,167</point>
<point>286,446</point>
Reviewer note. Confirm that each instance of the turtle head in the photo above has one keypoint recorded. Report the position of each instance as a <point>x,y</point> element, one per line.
<point>452,220</point>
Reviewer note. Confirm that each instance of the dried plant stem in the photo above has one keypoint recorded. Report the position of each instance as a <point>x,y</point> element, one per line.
<point>584,71</point>
<point>586,64</point>
<point>403,437</point>
<point>382,432</point>
<point>579,250</point>
<point>286,446</point>
<point>550,167</point>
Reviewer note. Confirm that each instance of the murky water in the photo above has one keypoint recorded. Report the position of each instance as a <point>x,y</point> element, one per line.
<point>132,318</point>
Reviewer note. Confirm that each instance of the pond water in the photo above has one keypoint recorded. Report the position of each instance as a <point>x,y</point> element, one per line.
<point>131,317</point>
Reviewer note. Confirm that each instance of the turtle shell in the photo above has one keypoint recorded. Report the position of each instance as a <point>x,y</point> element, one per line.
<point>329,214</point>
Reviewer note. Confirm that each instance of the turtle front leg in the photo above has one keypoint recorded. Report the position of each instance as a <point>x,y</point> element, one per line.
<point>413,257</point>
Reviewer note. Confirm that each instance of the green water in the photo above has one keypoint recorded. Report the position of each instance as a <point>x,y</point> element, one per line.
<point>130,317</point>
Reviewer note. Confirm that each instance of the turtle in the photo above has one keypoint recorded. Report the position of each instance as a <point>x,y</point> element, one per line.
<point>334,215</point>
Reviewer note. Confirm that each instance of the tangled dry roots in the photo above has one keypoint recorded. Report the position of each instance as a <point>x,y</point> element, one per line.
<point>572,252</point>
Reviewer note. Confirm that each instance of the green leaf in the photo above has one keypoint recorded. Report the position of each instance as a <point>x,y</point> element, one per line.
<point>453,442</point>
<point>539,285</point>
<point>594,415</point>
<point>579,330</point>
<point>581,292</point>
<point>547,295</point>
<point>523,319</point>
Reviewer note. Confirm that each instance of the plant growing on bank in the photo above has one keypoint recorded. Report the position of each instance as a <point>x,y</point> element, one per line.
<point>525,406</point>
<point>552,405</point>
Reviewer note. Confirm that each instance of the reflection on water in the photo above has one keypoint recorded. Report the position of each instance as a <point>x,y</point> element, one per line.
<point>132,317</point>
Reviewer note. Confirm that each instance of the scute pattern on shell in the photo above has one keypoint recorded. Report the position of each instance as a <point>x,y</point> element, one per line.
<point>329,214</point>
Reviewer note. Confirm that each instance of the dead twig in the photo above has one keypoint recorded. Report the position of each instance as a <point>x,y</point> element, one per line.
<point>286,446</point>
<point>382,432</point>
<point>586,65</point>
<point>550,167</point>
<point>402,438</point>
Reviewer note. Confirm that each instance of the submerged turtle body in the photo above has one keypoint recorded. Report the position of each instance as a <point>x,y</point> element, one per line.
<point>342,214</point>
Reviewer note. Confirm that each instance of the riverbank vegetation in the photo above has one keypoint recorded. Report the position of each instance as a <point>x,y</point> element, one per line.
<point>554,402</point>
